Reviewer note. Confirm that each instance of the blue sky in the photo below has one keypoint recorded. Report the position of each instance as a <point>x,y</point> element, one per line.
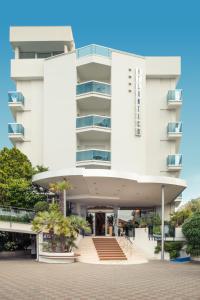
<point>142,27</point>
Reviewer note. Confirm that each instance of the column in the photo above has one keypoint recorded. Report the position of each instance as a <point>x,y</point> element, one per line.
<point>65,49</point>
<point>78,209</point>
<point>16,52</point>
<point>162,223</point>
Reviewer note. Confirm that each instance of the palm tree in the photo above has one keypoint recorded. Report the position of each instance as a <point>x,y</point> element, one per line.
<point>61,229</point>
<point>62,186</point>
<point>48,221</point>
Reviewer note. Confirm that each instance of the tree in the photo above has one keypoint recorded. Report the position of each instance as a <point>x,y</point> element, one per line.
<point>16,173</point>
<point>191,230</point>
<point>61,186</point>
<point>185,212</point>
<point>63,231</point>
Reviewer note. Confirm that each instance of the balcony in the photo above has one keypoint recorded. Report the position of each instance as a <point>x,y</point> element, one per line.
<point>93,121</point>
<point>93,157</point>
<point>174,98</point>
<point>174,130</point>
<point>93,87</point>
<point>93,50</point>
<point>174,162</point>
<point>16,132</point>
<point>15,101</point>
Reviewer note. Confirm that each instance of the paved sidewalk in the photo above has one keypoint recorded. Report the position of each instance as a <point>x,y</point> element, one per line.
<point>27,279</point>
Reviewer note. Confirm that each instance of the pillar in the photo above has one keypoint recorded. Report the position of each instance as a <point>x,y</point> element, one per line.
<point>65,49</point>
<point>16,52</point>
<point>162,220</point>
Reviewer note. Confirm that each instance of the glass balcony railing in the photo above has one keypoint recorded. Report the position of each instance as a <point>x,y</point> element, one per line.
<point>15,97</point>
<point>98,121</point>
<point>93,50</point>
<point>93,87</point>
<point>15,128</point>
<point>174,127</point>
<point>14,214</point>
<point>174,160</point>
<point>93,155</point>
<point>175,95</point>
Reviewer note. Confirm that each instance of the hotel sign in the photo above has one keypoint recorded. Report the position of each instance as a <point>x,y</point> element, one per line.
<point>138,98</point>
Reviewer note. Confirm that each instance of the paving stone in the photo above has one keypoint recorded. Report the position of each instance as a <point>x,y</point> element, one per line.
<point>27,280</point>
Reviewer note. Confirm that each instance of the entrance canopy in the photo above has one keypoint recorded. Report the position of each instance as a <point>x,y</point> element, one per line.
<point>109,187</point>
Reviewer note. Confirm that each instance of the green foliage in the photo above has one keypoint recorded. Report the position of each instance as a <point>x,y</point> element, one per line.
<point>41,206</point>
<point>191,230</point>
<point>39,169</point>
<point>63,231</point>
<point>156,229</point>
<point>15,180</point>
<point>18,219</point>
<point>64,185</point>
<point>185,212</point>
<point>10,246</point>
<point>173,247</point>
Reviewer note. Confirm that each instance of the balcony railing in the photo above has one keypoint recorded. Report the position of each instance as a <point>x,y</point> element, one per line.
<point>15,98</point>
<point>174,160</point>
<point>14,214</point>
<point>15,129</point>
<point>175,96</point>
<point>93,121</point>
<point>174,128</point>
<point>96,155</point>
<point>93,50</point>
<point>93,87</point>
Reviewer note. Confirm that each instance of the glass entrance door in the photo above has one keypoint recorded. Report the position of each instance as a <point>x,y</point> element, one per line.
<point>109,224</point>
<point>100,223</point>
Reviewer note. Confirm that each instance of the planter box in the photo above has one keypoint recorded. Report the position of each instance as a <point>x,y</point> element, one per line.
<point>57,258</point>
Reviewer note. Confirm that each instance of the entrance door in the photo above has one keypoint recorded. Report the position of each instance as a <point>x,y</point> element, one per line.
<point>100,223</point>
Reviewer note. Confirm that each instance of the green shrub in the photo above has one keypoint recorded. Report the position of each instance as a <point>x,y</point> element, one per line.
<point>172,247</point>
<point>41,206</point>
<point>20,219</point>
<point>156,229</point>
<point>191,230</point>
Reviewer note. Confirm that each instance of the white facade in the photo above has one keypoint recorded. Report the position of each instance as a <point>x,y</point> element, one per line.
<point>94,107</point>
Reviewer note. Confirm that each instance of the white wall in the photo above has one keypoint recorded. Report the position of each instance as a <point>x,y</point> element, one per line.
<point>128,150</point>
<point>32,119</point>
<point>59,148</point>
<point>158,147</point>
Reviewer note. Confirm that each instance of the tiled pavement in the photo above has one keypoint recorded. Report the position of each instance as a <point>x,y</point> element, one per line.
<point>27,279</point>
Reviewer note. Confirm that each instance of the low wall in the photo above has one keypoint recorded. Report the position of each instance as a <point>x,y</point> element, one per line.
<point>56,258</point>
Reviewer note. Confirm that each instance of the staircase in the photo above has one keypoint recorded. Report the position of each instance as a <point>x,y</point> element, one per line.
<point>108,249</point>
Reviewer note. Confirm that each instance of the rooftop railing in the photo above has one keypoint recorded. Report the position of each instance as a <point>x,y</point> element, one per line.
<point>93,50</point>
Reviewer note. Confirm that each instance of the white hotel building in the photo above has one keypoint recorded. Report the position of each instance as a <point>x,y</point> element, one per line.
<point>106,120</point>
